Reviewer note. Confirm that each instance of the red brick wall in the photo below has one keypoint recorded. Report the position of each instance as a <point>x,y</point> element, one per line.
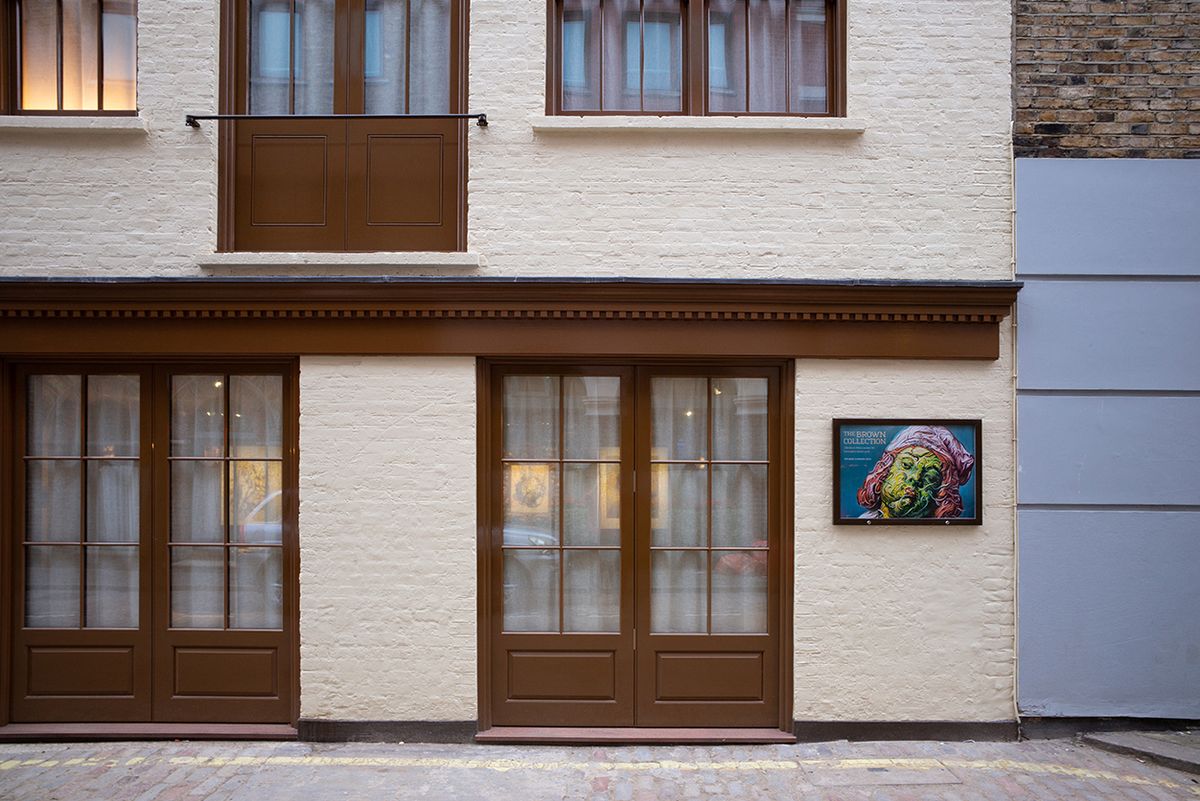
<point>1107,79</point>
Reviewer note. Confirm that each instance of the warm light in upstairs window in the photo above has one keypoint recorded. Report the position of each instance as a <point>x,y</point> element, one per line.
<point>91,66</point>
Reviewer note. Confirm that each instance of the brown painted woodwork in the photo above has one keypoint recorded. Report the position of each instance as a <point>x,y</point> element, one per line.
<point>694,82</point>
<point>6,521</point>
<point>572,678</point>
<point>640,735</point>
<point>152,673</point>
<point>8,58</point>
<point>710,679</point>
<point>104,732</point>
<point>585,317</point>
<point>78,674</point>
<point>290,185</point>
<point>633,677</point>
<point>223,675</point>
<point>403,184</point>
<point>340,184</point>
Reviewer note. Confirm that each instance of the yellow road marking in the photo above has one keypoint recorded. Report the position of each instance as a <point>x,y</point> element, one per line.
<point>504,765</point>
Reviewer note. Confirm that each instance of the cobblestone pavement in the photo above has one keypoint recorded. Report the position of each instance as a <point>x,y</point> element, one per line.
<point>1041,770</point>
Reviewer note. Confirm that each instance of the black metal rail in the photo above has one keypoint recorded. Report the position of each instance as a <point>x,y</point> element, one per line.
<point>193,120</point>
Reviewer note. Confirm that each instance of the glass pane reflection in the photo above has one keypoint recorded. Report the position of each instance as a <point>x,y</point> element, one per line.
<point>739,592</point>
<point>679,592</point>
<point>255,588</point>
<point>531,590</point>
<point>51,586</point>
<point>198,587</point>
<point>112,588</point>
<point>592,591</point>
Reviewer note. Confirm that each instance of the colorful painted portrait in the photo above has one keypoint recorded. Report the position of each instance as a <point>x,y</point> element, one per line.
<point>906,471</point>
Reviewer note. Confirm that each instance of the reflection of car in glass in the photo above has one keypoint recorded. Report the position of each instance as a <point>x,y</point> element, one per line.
<point>263,523</point>
<point>519,576</point>
<point>744,563</point>
<point>260,567</point>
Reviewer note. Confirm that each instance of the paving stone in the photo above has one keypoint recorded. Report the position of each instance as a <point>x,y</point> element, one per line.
<point>1043,770</point>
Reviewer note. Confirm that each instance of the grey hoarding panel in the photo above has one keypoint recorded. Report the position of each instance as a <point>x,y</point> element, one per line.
<point>1109,450</point>
<point>1109,335</point>
<point>1108,216</point>
<point>1109,611</point>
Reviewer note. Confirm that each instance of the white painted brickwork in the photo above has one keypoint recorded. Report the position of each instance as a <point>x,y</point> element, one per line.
<point>890,624</point>
<point>904,623</point>
<point>387,538</point>
<point>922,193</point>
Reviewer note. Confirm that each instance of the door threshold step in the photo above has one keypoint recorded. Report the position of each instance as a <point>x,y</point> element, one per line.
<point>530,735</point>
<point>104,732</point>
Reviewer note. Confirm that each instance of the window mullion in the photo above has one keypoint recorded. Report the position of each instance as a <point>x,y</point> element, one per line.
<point>600,99</point>
<point>83,493</point>
<point>407,55</point>
<point>100,55</point>
<point>292,58</point>
<point>787,56</point>
<point>59,53</point>
<point>746,5</point>
<point>696,57</point>
<point>227,500</point>
<point>642,55</point>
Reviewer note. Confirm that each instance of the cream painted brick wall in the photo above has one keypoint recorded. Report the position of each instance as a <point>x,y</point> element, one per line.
<point>923,193</point>
<point>387,538</point>
<point>913,623</point>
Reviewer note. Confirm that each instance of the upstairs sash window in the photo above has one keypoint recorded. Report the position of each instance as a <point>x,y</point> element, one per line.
<point>76,55</point>
<point>778,57</point>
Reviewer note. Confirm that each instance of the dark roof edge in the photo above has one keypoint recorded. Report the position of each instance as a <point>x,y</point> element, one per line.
<point>486,280</point>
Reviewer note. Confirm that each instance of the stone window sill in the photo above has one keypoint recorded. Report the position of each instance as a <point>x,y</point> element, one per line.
<point>830,126</point>
<point>258,262</point>
<point>51,123</point>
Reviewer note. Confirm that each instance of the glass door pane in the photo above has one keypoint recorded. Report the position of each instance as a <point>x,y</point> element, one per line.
<point>560,474</point>
<point>291,56</point>
<point>82,493</point>
<point>226,495</point>
<point>709,539</point>
<point>429,57</point>
<point>406,57</point>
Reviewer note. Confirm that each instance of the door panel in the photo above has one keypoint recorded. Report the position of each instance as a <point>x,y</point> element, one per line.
<point>562,634</point>
<point>695,616</point>
<point>708,676</point>
<point>558,675</point>
<point>55,671</point>
<point>291,185</point>
<point>222,640</point>
<point>81,647</point>
<point>708,572</point>
<point>403,184</point>
<point>708,565</point>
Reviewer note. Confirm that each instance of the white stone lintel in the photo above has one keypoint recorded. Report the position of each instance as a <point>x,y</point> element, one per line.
<point>257,262</point>
<point>50,123</point>
<point>834,126</point>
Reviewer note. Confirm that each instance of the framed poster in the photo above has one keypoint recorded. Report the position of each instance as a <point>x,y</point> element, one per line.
<point>906,472</point>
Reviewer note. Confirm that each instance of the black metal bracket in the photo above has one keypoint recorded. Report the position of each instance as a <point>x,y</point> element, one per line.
<point>193,120</point>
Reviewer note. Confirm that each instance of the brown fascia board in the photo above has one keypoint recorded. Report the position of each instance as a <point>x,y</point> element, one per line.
<point>512,298</point>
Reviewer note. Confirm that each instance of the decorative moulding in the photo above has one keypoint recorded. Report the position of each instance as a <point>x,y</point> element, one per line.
<point>376,261</point>
<point>68,123</point>
<point>813,126</point>
<point>536,298</point>
<point>519,317</point>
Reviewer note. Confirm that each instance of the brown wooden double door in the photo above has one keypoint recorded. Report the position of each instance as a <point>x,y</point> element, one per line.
<point>636,549</point>
<point>154,543</point>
